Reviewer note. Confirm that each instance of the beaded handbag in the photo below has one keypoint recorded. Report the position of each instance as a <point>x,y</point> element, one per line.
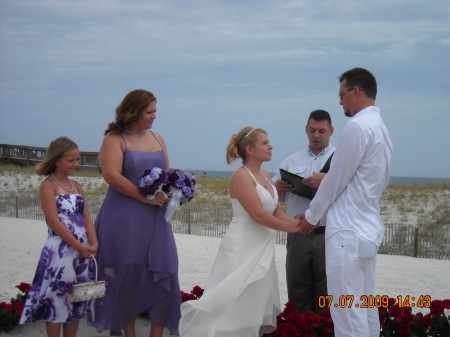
<point>88,290</point>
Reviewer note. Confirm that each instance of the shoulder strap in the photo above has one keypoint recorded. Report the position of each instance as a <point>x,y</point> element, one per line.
<point>267,176</point>
<point>125,142</point>
<point>250,174</point>
<point>326,167</point>
<point>156,139</point>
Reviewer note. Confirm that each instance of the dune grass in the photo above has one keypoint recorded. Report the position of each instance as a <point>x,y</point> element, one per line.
<point>425,204</point>
<point>419,204</point>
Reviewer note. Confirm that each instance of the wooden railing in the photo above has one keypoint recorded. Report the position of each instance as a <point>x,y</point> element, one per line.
<point>23,155</point>
<point>204,219</point>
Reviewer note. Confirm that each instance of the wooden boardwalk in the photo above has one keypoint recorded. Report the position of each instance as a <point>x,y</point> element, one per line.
<point>23,155</point>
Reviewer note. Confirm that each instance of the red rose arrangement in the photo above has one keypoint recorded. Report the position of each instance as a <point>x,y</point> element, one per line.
<point>10,312</point>
<point>395,320</point>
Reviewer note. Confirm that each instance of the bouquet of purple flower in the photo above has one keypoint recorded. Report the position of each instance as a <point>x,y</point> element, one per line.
<point>182,180</point>
<point>152,182</point>
<point>181,185</point>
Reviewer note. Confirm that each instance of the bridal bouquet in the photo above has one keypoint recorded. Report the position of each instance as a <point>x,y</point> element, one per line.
<point>179,183</point>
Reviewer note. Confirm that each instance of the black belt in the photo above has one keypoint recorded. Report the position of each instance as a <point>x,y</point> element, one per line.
<point>318,230</point>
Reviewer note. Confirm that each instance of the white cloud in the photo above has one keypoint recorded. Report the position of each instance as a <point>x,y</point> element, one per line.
<point>217,66</point>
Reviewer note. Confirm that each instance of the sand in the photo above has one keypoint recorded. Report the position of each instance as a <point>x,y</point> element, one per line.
<point>22,240</point>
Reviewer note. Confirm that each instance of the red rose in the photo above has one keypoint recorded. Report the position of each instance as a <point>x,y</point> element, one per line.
<point>290,305</point>
<point>301,325</point>
<point>8,307</point>
<point>312,320</point>
<point>436,308</point>
<point>25,287</point>
<point>18,307</point>
<point>287,330</point>
<point>391,301</point>
<point>197,291</point>
<point>288,310</point>
<point>292,316</point>
<point>394,311</point>
<point>446,304</point>
<point>325,312</point>
<point>186,297</point>
<point>426,321</point>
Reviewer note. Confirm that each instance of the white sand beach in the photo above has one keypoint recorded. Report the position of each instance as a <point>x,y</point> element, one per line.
<point>22,240</point>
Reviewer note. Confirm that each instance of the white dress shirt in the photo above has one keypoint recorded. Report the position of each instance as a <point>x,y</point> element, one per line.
<point>303,163</point>
<point>352,188</point>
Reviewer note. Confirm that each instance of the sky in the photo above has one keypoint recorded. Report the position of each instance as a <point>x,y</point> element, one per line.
<point>218,66</point>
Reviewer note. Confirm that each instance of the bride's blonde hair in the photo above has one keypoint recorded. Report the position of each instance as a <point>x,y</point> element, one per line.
<point>237,144</point>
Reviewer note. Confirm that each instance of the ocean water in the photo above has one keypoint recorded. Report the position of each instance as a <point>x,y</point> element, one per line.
<point>394,179</point>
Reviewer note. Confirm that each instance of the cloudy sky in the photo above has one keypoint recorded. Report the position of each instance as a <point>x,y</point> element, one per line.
<point>217,66</point>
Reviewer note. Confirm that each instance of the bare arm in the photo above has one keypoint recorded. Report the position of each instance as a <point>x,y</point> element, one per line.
<point>89,225</point>
<point>242,187</point>
<point>279,213</point>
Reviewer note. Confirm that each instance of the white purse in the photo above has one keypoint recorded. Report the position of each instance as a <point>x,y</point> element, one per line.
<point>88,290</point>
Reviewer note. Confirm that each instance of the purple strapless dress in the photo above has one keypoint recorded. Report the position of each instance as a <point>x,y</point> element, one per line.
<point>137,256</point>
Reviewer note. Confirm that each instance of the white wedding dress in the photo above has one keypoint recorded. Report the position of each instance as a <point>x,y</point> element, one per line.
<point>241,298</point>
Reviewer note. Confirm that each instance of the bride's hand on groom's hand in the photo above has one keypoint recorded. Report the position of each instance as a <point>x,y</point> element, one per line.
<point>294,226</point>
<point>305,227</point>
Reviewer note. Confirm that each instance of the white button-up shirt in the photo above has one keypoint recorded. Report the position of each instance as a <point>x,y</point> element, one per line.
<point>303,163</point>
<point>359,173</point>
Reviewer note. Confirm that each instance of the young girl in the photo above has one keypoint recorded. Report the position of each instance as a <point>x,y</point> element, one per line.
<point>72,241</point>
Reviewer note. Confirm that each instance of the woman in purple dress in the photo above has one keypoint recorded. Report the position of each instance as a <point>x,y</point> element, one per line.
<point>137,256</point>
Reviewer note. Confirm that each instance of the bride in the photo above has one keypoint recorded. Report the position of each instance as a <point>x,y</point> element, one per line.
<point>242,297</point>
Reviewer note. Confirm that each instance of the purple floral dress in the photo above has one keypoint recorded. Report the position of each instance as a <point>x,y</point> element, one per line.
<point>59,267</point>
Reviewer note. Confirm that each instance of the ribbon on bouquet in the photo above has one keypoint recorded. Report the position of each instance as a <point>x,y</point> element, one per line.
<point>174,203</point>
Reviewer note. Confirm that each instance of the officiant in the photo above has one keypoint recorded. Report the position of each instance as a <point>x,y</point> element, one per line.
<point>305,257</point>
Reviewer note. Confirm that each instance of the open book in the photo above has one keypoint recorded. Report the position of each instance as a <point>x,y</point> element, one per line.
<point>297,183</point>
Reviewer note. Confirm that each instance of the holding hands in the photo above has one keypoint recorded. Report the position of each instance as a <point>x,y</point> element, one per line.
<point>294,226</point>
<point>305,227</point>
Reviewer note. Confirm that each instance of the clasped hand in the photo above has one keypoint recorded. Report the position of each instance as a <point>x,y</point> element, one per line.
<point>160,199</point>
<point>305,227</point>
<point>87,252</point>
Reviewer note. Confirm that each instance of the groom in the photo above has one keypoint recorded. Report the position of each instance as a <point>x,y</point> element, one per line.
<point>350,193</point>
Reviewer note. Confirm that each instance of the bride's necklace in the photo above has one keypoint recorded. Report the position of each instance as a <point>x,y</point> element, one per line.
<point>135,135</point>
<point>70,181</point>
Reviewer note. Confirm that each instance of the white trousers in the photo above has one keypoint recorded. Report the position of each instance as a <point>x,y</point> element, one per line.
<point>350,264</point>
